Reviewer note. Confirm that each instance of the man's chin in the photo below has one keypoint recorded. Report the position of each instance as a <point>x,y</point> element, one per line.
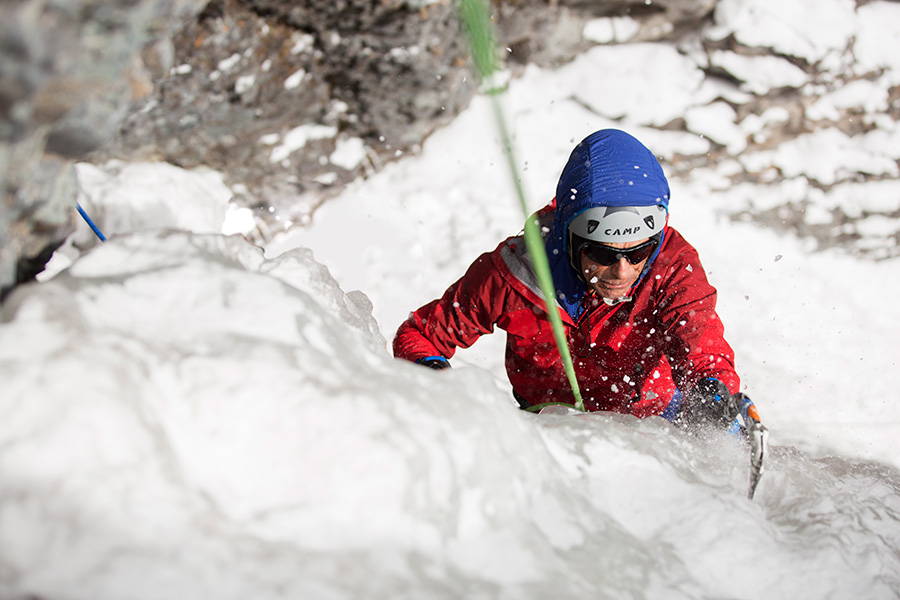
<point>612,292</point>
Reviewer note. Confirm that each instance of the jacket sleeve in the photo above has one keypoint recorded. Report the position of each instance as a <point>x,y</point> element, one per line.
<point>467,310</point>
<point>694,334</point>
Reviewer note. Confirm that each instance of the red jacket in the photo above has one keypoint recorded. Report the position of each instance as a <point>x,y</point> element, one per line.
<point>629,358</point>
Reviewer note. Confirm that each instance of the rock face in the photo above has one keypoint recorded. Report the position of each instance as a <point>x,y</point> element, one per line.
<point>804,130</point>
<point>68,75</point>
<point>293,100</point>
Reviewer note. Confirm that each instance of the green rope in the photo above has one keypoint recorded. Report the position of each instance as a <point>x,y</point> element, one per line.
<point>475,17</point>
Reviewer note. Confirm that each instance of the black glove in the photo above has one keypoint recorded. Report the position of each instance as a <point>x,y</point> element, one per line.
<point>434,362</point>
<point>709,404</point>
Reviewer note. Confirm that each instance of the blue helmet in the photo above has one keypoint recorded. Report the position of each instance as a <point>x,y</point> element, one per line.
<point>612,189</point>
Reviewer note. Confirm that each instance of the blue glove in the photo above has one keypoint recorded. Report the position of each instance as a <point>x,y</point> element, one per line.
<point>434,362</point>
<point>709,404</point>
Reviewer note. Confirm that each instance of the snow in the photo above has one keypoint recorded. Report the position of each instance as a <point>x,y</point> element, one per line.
<point>877,225</point>
<point>147,196</point>
<point>607,30</point>
<point>717,122</point>
<point>759,74</point>
<point>756,123</point>
<point>187,415</point>
<point>810,155</point>
<point>878,39</point>
<point>238,220</point>
<point>298,137</point>
<point>862,94</point>
<point>270,139</point>
<point>241,415</point>
<point>302,43</point>
<point>228,63</point>
<point>244,83</point>
<point>348,154</point>
<point>611,92</point>
<point>326,178</point>
<point>294,80</point>
<point>875,196</point>
<point>807,29</point>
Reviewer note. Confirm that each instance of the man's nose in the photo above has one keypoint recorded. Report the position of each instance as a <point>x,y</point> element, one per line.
<point>620,267</point>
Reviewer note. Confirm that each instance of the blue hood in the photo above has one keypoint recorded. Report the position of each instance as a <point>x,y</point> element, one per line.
<point>608,168</point>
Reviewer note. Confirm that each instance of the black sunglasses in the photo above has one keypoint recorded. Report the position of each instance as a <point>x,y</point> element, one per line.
<point>607,255</point>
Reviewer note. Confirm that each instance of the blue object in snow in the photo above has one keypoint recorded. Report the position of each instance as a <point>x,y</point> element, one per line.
<point>90,223</point>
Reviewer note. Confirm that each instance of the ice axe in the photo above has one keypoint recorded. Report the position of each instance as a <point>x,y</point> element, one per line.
<point>758,435</point>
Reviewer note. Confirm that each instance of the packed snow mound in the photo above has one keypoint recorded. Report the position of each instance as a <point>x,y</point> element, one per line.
<point>129,197</point>
<point>186,419</point>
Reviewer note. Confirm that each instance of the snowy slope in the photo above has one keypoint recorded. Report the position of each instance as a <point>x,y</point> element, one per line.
<point>187,419</point>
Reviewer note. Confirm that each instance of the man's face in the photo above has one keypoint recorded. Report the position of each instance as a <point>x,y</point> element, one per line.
<point>615,280</point>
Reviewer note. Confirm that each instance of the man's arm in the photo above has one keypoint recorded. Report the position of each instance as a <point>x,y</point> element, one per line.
<point>467,310</point>
<point>696,345</point>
